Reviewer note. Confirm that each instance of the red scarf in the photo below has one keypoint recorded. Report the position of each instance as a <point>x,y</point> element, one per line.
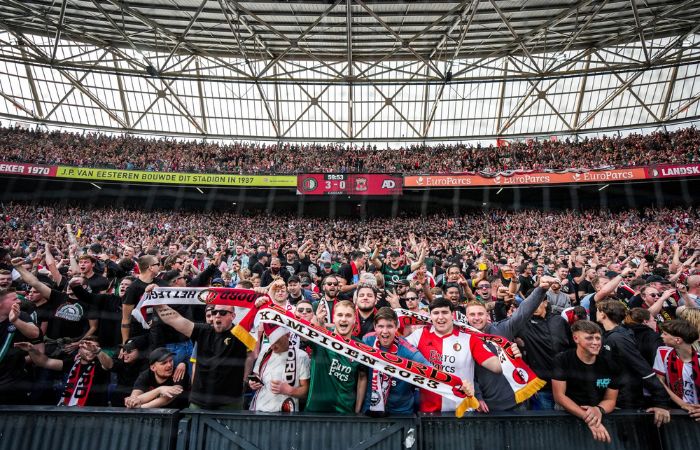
<point>355,273</point>
<point>674,371</point>
<point>522,380</point>
<point>79,383</point>
<point>381,382</point>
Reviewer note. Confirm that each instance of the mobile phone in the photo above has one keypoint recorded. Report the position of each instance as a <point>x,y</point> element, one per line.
<point>254,378</point>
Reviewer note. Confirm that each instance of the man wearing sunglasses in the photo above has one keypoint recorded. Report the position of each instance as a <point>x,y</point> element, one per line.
<point>221,357</point>
<point>331,289</point>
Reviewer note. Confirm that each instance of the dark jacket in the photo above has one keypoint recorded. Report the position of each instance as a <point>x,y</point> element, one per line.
<point>493,388</point>
<point>267,276</point>
<point>648,341</point>
<point>635,372</point>
<point>545,338</point>
<point>510,327</point>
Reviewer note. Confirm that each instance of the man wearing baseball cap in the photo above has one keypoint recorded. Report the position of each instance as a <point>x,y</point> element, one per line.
<point>155,387</point>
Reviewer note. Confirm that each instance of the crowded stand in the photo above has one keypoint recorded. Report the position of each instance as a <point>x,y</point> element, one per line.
<point>601,306</point>
<point>129,152</point>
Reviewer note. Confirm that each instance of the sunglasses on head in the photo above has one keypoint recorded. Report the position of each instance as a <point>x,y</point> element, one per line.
<point>220,312</point>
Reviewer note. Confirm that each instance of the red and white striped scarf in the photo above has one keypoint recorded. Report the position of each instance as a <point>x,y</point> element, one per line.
<point>522,380</point>
<point>78,384</point>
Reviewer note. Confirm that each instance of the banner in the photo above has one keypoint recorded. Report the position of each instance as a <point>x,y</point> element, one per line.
<point>243,300</point>
<point>415,373</point>
<point>520,179</point>
<point>37,170</point>
<point>349,184</point>
<point>196,179</point>
<point>673,171</point>
<point>520,377</point>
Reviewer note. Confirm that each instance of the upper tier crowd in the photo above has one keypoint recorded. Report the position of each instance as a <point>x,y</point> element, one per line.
<point>137,153</point>
<point>604,307</point>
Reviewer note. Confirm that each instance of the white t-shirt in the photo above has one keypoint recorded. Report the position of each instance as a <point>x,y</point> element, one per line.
<point>690,394</point>
<point>274,369</point>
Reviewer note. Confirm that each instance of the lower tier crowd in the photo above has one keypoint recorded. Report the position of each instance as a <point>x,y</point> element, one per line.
<point>602,305</point>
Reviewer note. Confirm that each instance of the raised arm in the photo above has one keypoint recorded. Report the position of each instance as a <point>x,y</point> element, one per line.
<point>51,265</point>
<point>28,329</point>
<point>30,279</point>
<point>421,258</point>
<point>38,358</point>
<point>172,318</point>
<point>375,256</point>
<point>611,286</point>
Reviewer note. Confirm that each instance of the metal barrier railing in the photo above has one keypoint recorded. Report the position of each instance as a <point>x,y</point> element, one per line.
<point>58,428</point>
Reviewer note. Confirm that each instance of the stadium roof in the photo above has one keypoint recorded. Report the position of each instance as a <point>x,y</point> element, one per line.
<point>350,70</point>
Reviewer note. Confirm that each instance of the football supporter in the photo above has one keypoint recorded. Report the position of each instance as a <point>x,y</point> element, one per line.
<point>337,384</point>
<point>280,376</point>
<point>636,375</point>
<point>158,386</point>
<point>542,339</point>
<point>221,357</point>
<point>676,365</point>
<point>386,395</point>
<point>451,351</point>
<point>585,380</point>
<point>16,328</point>
<point>86,381</point>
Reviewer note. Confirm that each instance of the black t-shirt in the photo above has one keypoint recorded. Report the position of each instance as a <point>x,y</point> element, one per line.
<point>97,283</point>
<point>221,359</point>
<point>131,297</point>
<point>310,267</point>
<point>126,377</point>
<point>13,375</point>
<point>527,284</point>
<point>345,271</point>
<point>585,383</point>
<point>293,268</point>
<point>146,382</point>
<point>366,325</point>
<point>43,313</point>
<point>586,287</point>
<point>107,310</point>
<point>162,334</point>
<point>70,317</point>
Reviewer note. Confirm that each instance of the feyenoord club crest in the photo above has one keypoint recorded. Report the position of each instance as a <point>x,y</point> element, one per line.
<point>360,184</point>
<point>309,184</point>
<point>456,347</point>
<point>520,376</point>
<point>206,296</point>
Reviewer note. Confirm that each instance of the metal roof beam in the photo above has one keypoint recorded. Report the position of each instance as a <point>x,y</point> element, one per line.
<point>80,87</point>
<point>639,28</point>
<point>671,86</point>
<point>518,39</point>
<point>629,89</point>
<point>350,68</point>
<point>57,39</point>
<point>183,36</point>
<point>398,38</point>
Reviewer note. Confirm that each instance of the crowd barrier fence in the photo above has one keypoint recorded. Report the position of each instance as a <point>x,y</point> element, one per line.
<point>58,428</point>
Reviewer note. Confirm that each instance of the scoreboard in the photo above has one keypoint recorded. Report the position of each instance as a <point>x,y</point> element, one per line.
<point>349,184</point>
